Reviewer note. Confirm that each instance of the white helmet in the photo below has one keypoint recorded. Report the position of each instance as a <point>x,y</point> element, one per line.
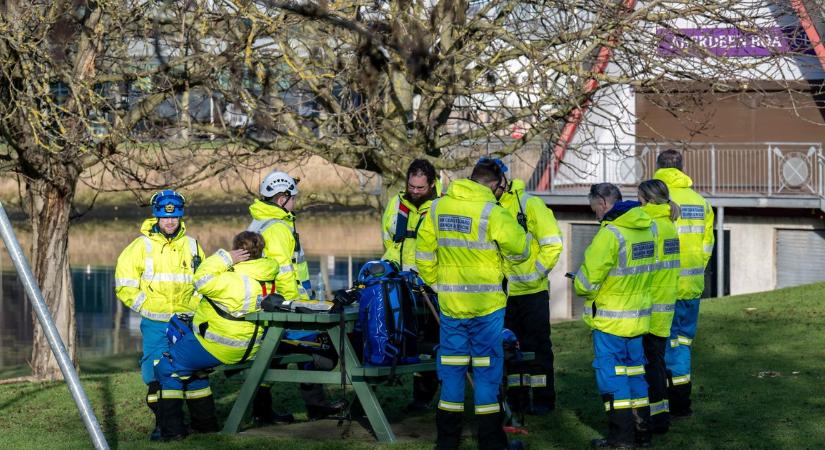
<point>277,182</point>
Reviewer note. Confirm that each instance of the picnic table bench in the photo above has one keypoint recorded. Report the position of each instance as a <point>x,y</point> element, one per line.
<point>355,374</point>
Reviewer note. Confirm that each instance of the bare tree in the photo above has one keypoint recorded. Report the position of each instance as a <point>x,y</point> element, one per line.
<point>168,93</point>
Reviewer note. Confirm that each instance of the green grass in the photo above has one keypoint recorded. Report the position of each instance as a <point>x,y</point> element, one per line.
<point>758,379</point>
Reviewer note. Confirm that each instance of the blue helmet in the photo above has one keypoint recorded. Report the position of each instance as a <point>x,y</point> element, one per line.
<point>167,203</point>
<point>497,162</point>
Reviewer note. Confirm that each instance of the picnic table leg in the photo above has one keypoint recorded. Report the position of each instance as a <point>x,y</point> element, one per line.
<point>260,365</point>
<point>375,414</point>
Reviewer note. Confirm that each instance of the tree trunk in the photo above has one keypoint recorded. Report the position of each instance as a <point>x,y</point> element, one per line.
<point>49,207</point>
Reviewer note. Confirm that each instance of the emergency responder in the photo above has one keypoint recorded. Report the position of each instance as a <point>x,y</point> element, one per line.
<point>695,228</point>
<point>528,303</point>
<point>274,218</point>
<point>229,283</point>
<point>402,218</point>
<point>153,277</point>
<point>459,252</point>
<point>615,280</point>
<point>655,199</point>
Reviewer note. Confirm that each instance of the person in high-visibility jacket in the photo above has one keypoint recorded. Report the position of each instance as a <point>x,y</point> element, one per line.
<point>528,302</point>
<point>655,199</point>
<point>695,228</point>
<point>153,278</point>
<point>273,216</point>
<point>232,283</point>
<point>615,279</point>
<point>460,253</point>
<point>399,227</point>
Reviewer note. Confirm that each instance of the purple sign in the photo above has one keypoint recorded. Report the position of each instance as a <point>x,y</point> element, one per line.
<point>728,42</point>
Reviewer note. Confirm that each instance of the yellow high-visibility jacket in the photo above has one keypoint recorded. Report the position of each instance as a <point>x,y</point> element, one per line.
<point>544,238</point>
<point>461,249</point>
<point>665,283</point>
<point>230,291</point>
<point>695,228</point>
<point>277,226</point>
<point>616,275</point>
<point>399,240</point>
<point>153,276</point>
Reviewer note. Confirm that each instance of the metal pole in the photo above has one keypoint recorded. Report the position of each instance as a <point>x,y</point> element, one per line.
<point>45,318</point>
<point>720,251</point>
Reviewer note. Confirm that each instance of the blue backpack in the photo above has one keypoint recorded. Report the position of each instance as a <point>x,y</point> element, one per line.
<point>387,322</point>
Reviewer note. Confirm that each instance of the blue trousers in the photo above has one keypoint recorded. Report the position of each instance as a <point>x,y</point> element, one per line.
<point>155,343</point>
<point>176,371</point>
<point>619,363</point>
<point>682,333</point>
<point>475,341</point>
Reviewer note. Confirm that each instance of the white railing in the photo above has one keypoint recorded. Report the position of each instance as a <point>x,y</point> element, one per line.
<point>767,169</point>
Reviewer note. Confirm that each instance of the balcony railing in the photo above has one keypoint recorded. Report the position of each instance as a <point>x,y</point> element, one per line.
<point>756,169</point>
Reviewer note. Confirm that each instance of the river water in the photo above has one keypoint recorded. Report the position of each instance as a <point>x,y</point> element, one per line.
<point>336,245</point>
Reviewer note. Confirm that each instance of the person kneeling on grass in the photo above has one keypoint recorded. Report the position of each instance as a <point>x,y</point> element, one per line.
<point>229,282</point>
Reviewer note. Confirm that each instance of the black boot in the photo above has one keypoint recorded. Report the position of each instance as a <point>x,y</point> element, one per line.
<point>202,413</point>
<point>262,413</point>
<point>152,402</point>
<point>518,398</point>
<point>449,429</point>
<point>641,417</point>
<point>317,405</point>
<point>491,434</point>
<point>621,429</point>
<point>171,419</point>
<point>679,400</point>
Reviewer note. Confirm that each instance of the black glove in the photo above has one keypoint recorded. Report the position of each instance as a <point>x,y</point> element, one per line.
<point>274,302</point>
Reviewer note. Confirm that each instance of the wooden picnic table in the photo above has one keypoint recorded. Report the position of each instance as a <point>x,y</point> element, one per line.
<point>357,375</point>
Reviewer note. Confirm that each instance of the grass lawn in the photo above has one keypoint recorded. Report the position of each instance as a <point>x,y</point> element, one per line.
<point>758,378</point>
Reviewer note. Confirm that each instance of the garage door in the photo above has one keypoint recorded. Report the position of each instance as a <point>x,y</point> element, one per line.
<point>580,239</point>
<point>800,257</point>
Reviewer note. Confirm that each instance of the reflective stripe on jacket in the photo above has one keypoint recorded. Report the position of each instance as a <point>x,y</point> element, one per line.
<point>695,228</point>
<point>545,240</point>
<point>237,293</point>
<point>282,245</point>
<point>665,279</point>
<point>460,249</point>
<point>616,274</point>
<point>401,249</point>
<point>153,276</point>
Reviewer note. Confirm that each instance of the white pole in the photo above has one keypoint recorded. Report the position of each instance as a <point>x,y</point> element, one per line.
<point>56,344</point>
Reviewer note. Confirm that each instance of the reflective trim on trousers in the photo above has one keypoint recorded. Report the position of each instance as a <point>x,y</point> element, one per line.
<point>664,308</point>
<point>450,406</point>
<point>684,379</point>
<point>198,393</point>
<point>455,360</point>
<point>635,370</point>
<point>461,243</point>
<point>684,340</point>
<point>618,404</point>
<point>515,380</point>
<point>538,380</point>
<point>126,282</point>
<point>640,402</point>
<point>468,288</point>
<point>659,407</point>
<point>152,398</point>
<point>172,393</point>
<point>481,361</point>
<point>689,272</point>
<point>227,341</point>
<point>425,256</point>
<point>629,314</point>
<point>488,409</point>
<point>691,229</point>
